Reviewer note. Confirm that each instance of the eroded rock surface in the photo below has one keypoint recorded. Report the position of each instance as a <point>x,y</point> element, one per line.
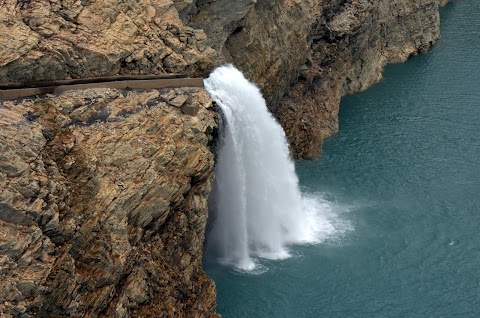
<point>349,46</point>
<point>46,40</point>
<point>103,193</point>
<point>305,55</point>
<point>103,204</point>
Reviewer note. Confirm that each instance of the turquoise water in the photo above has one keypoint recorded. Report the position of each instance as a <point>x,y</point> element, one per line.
<point>404,172</point>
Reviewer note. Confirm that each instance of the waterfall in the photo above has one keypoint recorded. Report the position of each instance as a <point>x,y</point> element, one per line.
<point>258,207</point>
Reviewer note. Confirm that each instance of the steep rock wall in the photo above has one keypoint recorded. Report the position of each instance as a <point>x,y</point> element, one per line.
<point>103,204</point>
<point>103,192</point>
<point>349,46</point>
<point>305,55</point>
<point>46,40</point>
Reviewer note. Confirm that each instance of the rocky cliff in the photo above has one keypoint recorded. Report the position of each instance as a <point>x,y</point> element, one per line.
<point>103,204</point>
<point>46,40</point>
<point>103,193</point>
<point>305,55</point>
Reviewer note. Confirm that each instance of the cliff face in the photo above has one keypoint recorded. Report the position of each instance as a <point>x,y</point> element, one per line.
<point>103,204</point>
<point>103,193</point>
<point>305,55</point>
<point>46,40</point>
<point>349,46</point>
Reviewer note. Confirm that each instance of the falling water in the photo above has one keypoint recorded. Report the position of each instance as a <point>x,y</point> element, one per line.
<point>258,207</point>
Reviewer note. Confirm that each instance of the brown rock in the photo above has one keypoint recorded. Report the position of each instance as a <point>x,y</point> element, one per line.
<point>348,48</point>
<point>168,96</point>
<point>191,110</point>
<point>178,101</point>
<point>43,40</point>
<point>305,55</point>
<point>93,212</point>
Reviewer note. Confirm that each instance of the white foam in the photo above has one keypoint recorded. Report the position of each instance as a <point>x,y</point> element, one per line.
<point>259,210</point>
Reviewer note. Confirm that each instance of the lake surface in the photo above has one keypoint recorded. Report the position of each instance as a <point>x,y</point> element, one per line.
<point>403,177</point>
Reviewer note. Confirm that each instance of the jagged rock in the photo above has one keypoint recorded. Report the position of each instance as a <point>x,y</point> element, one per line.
<point>45,40</point>
<point>168,96</point>
<point>305,55</point>
<point>99,216</point>
<point>191,110</point>
<point>178,101</point>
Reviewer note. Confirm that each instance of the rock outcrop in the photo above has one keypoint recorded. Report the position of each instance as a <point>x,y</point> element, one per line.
<point>349,46</point>
<point>47,40</point>
<point>103,193</point>
<point>305,55</point>
<point>103,204</point>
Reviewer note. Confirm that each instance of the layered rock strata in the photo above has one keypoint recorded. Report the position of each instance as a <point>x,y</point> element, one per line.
<point>103,204</point>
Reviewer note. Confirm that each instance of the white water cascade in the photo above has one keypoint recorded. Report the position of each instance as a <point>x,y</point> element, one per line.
<point>259,209</point>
